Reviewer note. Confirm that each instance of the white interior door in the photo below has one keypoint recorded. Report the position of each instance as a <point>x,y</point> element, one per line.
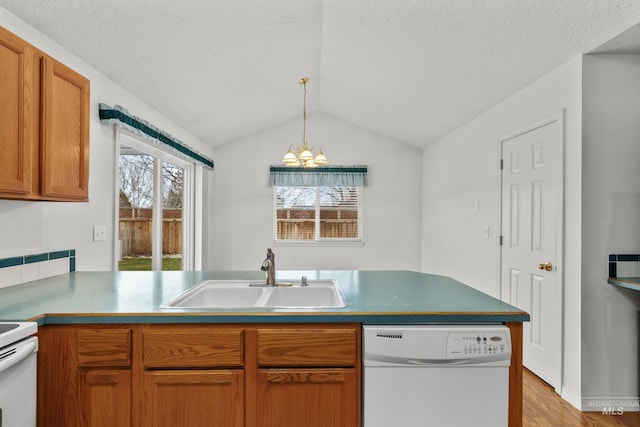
<point>531,250</point>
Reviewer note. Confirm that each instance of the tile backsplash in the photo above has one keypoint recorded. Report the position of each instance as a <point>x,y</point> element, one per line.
<point>624,265</point>
<point>21,269</point>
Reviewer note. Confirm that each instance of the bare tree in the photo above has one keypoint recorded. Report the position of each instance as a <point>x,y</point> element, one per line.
<point>136,181</point>
<point>172,181</point>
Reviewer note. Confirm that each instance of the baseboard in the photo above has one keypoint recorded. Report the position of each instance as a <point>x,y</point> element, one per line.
<point>573,399</point>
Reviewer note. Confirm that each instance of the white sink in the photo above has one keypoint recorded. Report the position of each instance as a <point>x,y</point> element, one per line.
<point>314,295</point>
<point>252,294</point>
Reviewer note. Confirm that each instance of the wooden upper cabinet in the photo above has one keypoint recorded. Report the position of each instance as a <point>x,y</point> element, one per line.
<point>64,151</point>
<point>44,131</point>
<point>17,106</point>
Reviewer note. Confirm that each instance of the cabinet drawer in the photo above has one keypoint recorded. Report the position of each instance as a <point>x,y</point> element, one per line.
<point>307,347</point>
<point>192,348</point>
<point>103,347</point>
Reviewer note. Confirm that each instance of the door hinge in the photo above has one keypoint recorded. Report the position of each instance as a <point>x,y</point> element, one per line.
<point>501,164</point>
<point>500,240</point>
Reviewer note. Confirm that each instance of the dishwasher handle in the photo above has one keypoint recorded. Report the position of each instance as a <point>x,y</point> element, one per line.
<point>20,352</point>
<point>408,361</point>
<point>420,362</point>
<point>437,361</point>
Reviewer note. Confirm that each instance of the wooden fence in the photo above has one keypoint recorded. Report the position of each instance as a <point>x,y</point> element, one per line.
<point>300,224</point>
<point>305,229</point>
<point>135,231</point>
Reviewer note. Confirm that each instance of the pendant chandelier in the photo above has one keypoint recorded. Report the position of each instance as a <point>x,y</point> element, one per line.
<point>304,156</point>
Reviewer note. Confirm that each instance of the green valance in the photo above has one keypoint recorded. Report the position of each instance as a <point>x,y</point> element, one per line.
<point>322,176</point>
<point>121,117</point>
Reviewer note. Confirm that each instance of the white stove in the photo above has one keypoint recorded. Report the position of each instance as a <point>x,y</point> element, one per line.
<point>18,352</point>
<point>11,332</point>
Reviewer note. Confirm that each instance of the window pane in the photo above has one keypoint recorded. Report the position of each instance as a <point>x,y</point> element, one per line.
<point>136,210</point>
<point>295,213</point>
<point>339,212</point>
<point>172,196</point>
<point>296,209</point>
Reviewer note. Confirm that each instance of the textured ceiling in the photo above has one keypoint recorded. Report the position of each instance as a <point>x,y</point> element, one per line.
<point>412,70</point>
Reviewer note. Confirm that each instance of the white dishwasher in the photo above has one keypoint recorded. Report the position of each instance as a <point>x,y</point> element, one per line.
<point>436,375</point>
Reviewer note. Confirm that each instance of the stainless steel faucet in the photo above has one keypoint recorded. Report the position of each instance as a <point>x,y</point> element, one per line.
<point>269,265</point>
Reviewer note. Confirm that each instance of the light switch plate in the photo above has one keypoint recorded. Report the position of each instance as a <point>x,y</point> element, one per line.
<point>99,233</point>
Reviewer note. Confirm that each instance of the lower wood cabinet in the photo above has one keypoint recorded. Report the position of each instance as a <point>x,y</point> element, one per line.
<point>104,398</point>
<point>84,376</point>
<point>307,397</point>
<point>308,375</point>
<point>199,375</point>
<point>193,398</point>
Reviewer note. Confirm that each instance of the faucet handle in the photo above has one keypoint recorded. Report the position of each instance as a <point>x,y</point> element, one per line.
<point>303,281</point>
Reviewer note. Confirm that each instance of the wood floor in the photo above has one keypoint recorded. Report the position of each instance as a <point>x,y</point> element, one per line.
<point>543,407</point>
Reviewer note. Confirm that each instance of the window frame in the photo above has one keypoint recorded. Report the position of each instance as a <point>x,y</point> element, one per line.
<point>319,241</point>
<point>192,200</point>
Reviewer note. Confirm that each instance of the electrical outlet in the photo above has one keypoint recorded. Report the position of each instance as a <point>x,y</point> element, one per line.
<point>99,233</point>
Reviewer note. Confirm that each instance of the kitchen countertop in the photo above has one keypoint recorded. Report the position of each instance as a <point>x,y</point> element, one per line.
<point>135,297</point>
<point>625,282</point>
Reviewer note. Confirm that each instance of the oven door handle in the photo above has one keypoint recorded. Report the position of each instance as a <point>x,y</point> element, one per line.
<point>21,352</point>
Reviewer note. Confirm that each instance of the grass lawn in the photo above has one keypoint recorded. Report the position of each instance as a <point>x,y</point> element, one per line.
<point>144,264</point>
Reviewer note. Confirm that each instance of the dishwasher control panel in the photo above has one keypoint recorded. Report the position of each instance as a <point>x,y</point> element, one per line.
<point>436,345</point>
<point>477,344</point>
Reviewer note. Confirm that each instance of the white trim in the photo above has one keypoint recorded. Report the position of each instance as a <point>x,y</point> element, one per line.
<point>316,243</point>
<point>188,216</point>
<point>117,245</point>
<point>198,209</point>
<point>156,223</point>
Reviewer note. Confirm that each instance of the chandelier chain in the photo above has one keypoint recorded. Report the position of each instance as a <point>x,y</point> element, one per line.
<point>304,111</point>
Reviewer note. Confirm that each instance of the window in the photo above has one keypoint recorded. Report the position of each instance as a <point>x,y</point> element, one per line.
<point>157,176</point>
<point>154,222</point>
<point>323,213</point>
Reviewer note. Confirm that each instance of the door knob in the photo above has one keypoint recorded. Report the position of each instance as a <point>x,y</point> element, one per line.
<point>545,266</point>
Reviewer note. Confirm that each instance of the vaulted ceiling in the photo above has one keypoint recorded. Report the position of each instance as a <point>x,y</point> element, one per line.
<point>411,70</point>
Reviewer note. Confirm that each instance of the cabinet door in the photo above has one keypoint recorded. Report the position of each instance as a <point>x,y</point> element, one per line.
<point>105,398</point>
<point>194,398</point>
<point>307,397</point>
<point>17,106</point>
<point>64,151</point>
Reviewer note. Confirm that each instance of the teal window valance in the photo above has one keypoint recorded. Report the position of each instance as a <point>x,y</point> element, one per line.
<point>121,117</point>
<point>327,176</point>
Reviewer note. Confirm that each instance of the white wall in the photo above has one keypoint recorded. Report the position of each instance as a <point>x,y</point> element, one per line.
<point>462,169</point>
<point>34,227</point>
<point>241,198</point>
<point>611,205</point>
